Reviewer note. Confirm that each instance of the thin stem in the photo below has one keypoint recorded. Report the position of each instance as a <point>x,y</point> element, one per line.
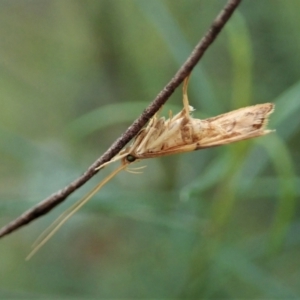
<point>53,200</point>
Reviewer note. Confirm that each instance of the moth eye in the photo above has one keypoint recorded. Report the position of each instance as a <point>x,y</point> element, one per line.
<point>130,158</point>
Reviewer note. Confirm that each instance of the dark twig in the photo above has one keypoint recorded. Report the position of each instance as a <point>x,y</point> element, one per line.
<point>49,203</point>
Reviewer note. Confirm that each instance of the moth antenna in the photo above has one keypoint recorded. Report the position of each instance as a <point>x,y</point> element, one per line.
<point>53,224</point>
<point>117,157</point>
<point>71,208</point>
<point>70,212</point>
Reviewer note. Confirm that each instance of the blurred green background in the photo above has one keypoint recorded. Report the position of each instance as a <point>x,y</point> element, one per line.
<point>221,223</point>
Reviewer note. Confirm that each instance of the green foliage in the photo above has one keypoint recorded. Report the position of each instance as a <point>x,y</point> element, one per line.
<point>213,224</point>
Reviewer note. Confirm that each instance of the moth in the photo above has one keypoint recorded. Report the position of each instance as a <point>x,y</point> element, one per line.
<point>177,134</point>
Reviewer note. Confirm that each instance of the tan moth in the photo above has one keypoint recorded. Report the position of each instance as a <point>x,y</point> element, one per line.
<point>177,134</point>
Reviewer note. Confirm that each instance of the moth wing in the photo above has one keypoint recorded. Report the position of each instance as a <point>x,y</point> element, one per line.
<point>207,143</point>
<point>237,125</point>
<point>243,120</point>
<point>224,140</point>
<point>174,150</point>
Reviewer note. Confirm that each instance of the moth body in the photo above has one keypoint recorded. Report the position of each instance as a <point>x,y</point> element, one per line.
<point>183,133</point>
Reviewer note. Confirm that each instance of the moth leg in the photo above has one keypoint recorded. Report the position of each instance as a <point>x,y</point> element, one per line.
<point>186,105</point>
<point>169,121</point>
<point>142,146</point>
<point>152,121</point>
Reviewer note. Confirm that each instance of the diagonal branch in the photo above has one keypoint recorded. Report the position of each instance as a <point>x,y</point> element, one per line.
<point>53,200</point>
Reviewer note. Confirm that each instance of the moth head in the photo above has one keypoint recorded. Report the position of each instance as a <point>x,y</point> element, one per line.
<point>130,158</point>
